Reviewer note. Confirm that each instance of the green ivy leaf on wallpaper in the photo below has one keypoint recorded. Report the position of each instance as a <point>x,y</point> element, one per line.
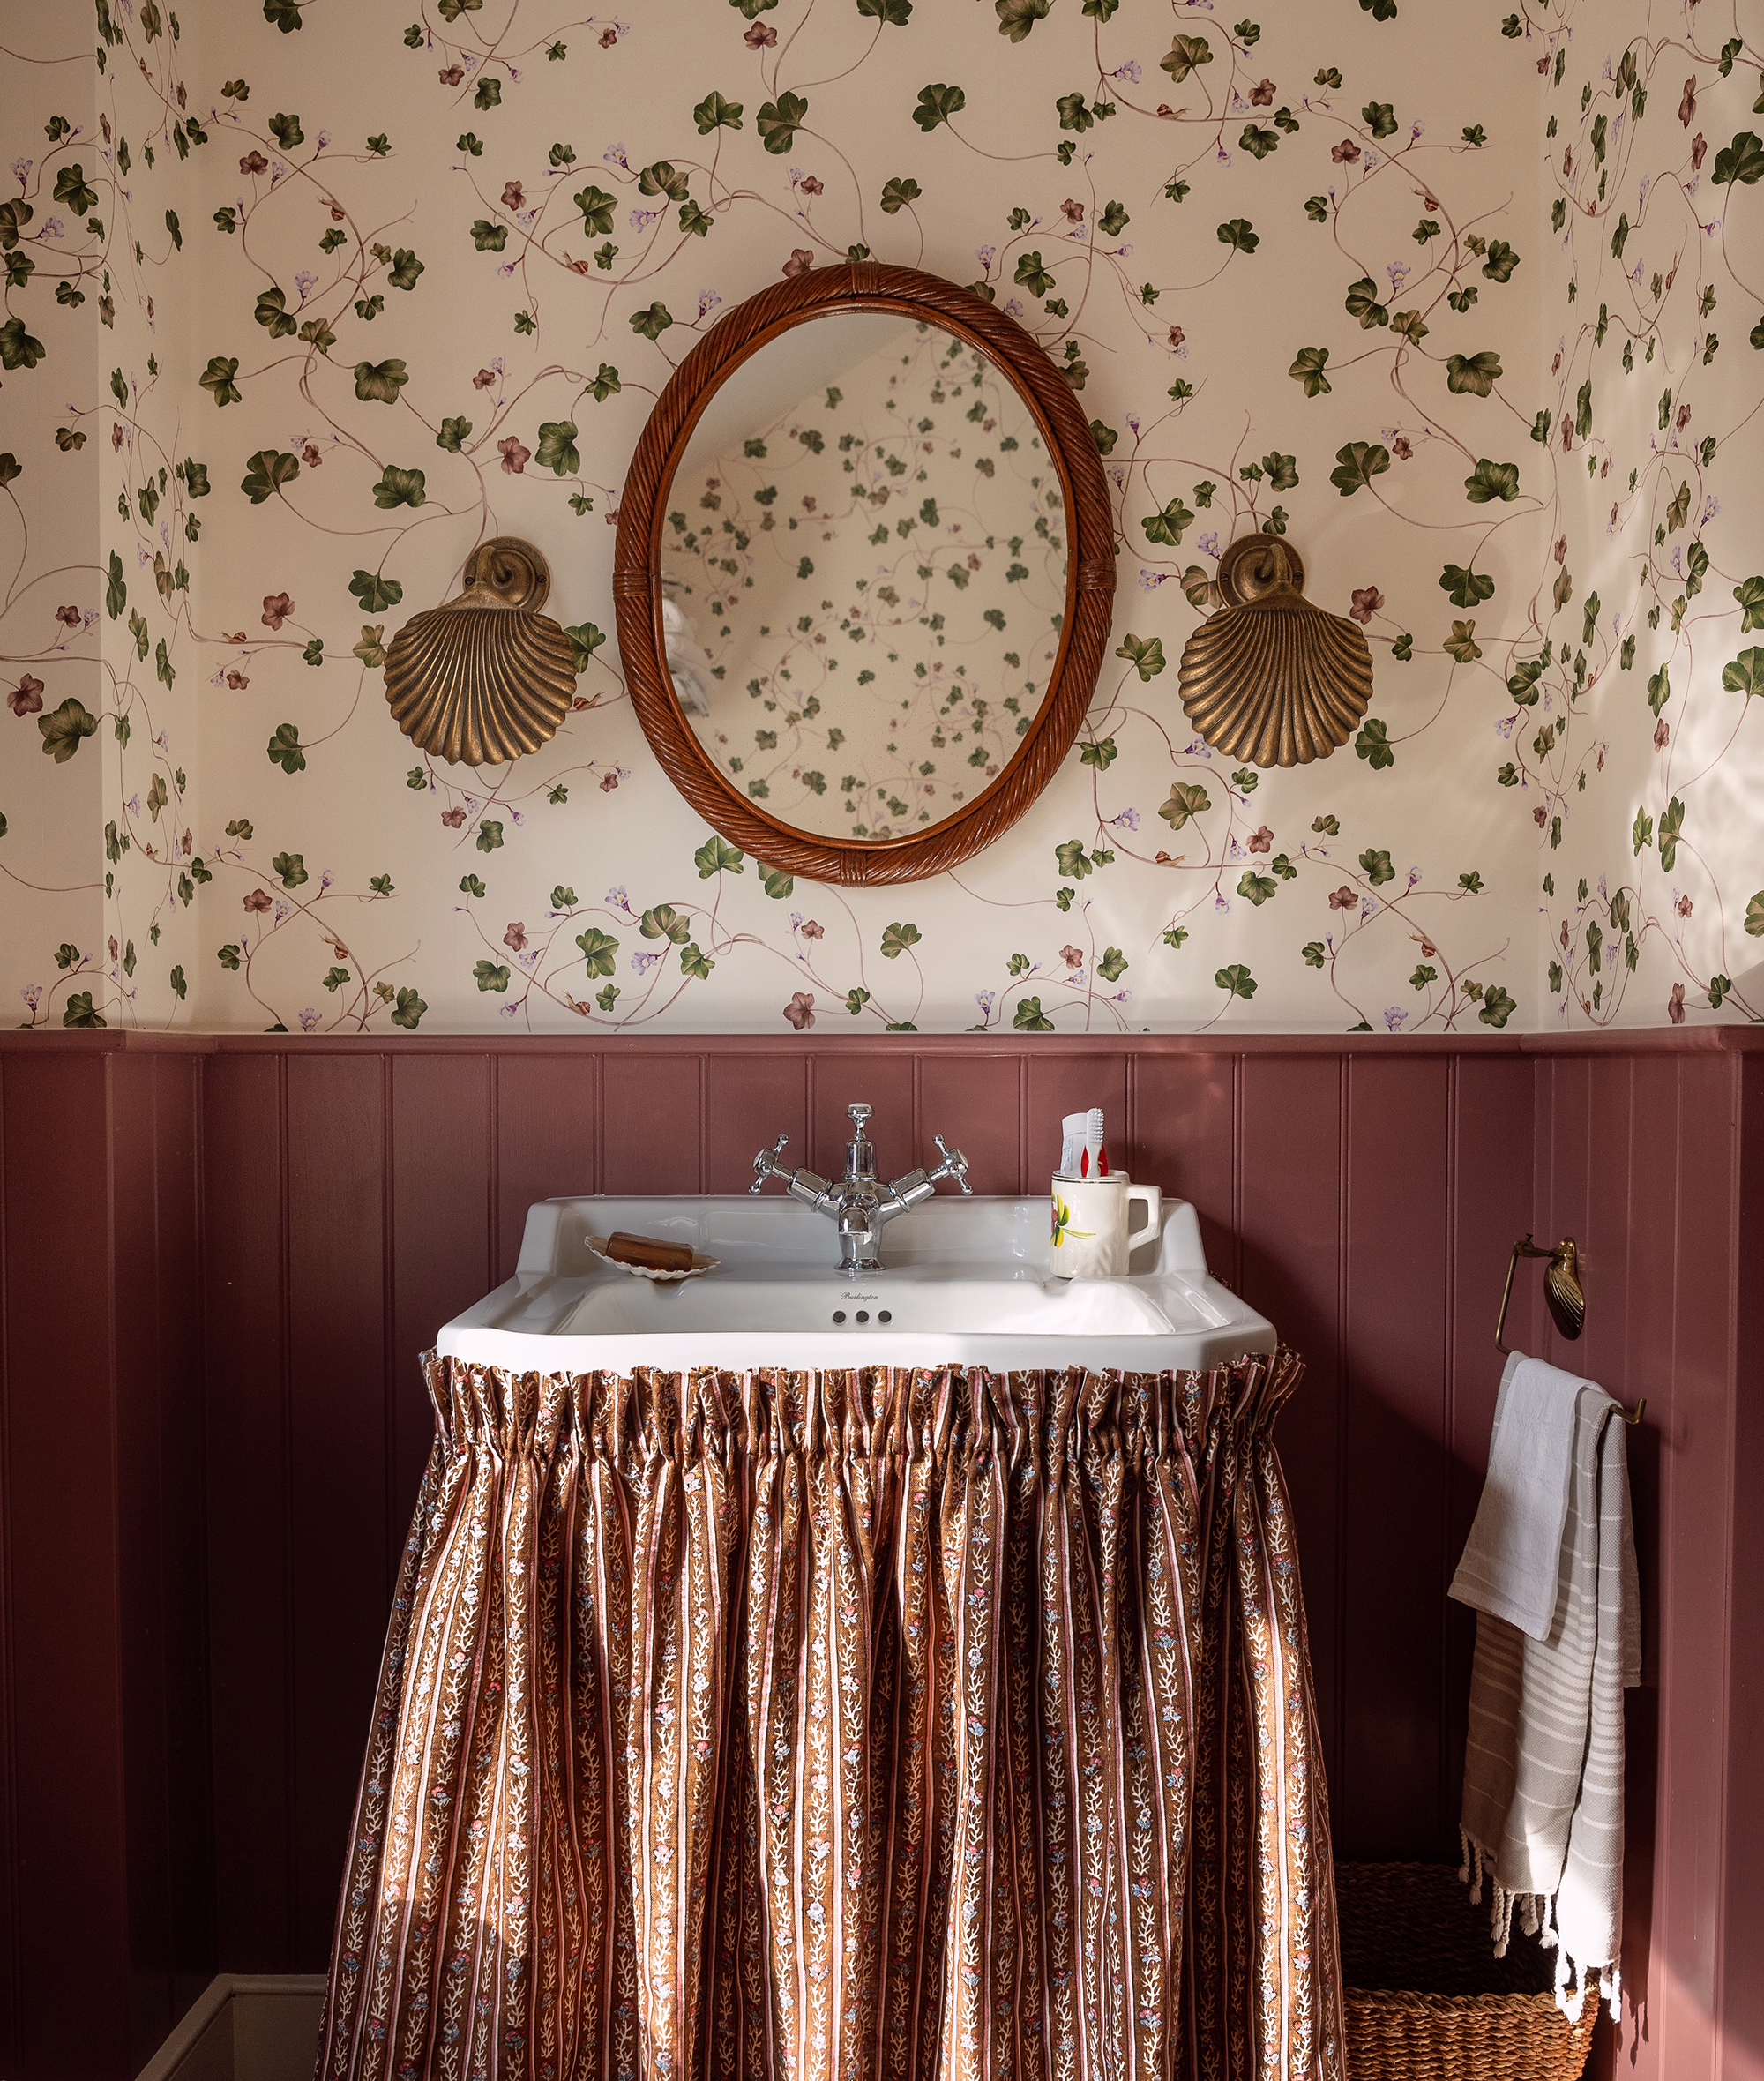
<point>1358,464</point>
<point>1373,745</point>
<point>1146,652</point>
<point>776,883</point>
<point>695,963</point>
<point>490,976</point>
<point>137,629</point>
<point>1317,208</point>
<point>665,922</point>
<point>1465,588</point>
<point>1362,303</point>
<point>1379,117</point>
<point>652,323</point>
<point>1744,674</point>
<point>1492,480</point>
<point>1500,262</point>
<point>1102,752</point>
<point>1377,867</point>
<point>452,435</point>
<point>1754,916</point>
<point>1258,143</point>
<point>266,472</point>
<point>19,349</point>
<point>318,334</point>
<point>489,835</point>
<point>291,867</point>
<point>14,215</point>
<point>1540,427</point>
<point>558,451</point>
<point>78,1011</point>
<point>1238,235</point>
<point>1410,325</point>
<point>314,652</point>
<point>585,639</point>
<point>469,141</point>
<point>714,113</point>
<point>1167,526</point>
<point>488,94</point>
<point>1237,980</point>
<point>72,189</point>
<point>1497,1007</point>
<point>662,178</point>
<point>716,856</point>
<point>380,381</point>
<point>1312,953</point>
<point>1473,373</point>
<point>1741,161</point>
<point>1032,275</point>
<point>1113,965</point>
<point>1750,595</point>
<point>117,590</point>
<point>374,592</point>
<point>897,193</point>
<point>696,220</point>
<point>1187,799</point>
<point>897,938</point>
<point>63,728</point>
<point>1183,55</point>
<point>1029,1017</point>
<point>1462,643</point>
<point>937,104</point>
<point>1307,369</point>
<point>399,487</point>
<point>487,238</point>
<point>1016,18</point>
<point>404,270</point>
<point>287,131</point>
<point>600,950</point>
<point>1256,888</point>
<point>778,121</point>
<point>285,750</point>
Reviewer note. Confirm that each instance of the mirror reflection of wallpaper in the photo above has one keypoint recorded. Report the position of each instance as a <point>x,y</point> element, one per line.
<point>877,578</point>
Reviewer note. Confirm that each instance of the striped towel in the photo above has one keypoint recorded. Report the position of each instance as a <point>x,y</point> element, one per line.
<point>1542,1811</point>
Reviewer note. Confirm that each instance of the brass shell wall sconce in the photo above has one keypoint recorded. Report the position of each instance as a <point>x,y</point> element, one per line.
<point>486,678</point>
<point>1269,678</point>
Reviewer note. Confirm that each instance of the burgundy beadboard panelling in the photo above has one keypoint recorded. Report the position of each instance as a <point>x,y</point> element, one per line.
<point>548,1112</point>
<point>357,1194</point>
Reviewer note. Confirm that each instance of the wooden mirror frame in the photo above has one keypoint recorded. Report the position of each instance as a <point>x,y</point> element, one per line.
<point>865,285</point>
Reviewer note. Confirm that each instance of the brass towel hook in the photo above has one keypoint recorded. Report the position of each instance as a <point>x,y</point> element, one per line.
<point>1564,1294</point>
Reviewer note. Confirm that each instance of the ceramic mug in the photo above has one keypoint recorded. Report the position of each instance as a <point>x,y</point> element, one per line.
<point>1090,1238</point>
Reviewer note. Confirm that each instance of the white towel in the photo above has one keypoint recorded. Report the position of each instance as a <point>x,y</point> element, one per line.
<point>1542,1811</point>
<point>1511,1562</point>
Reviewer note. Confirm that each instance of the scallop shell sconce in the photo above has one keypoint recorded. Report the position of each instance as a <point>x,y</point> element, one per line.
<point>486,678</point>
<point>1269,678</point>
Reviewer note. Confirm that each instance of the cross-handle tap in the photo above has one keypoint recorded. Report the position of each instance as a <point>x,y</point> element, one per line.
<point>954,1164</point>
<point>765,1164</point>
<point>860,1204</point>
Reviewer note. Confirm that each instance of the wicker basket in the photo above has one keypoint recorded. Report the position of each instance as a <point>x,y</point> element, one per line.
<point>1427,1999</point>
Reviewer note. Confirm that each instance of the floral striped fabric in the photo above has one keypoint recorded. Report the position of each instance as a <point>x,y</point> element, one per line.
<point>883,1726</point>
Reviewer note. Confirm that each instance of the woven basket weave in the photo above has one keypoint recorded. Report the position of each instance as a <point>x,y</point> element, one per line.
<point>1426,1998</point>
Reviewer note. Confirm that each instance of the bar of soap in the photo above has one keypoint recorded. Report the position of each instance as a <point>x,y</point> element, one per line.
<point>653,1256</point>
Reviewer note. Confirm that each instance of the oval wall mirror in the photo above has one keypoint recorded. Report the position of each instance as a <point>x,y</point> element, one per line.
<point>865,574</point>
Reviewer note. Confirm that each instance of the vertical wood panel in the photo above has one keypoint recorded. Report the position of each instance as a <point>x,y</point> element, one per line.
<point>1182,1137</point>
<point>70,1850</point>
<point>252,1585</point>
<point>1290,1240</point>
<point>1395,1485</point>
<point>546,1127</point>
<point>749,1100</point>
<point>974,1102</point>
<point>339,1443</point>
<point>11,1985</point>
<point>651,1123</point>
<point>441,1240</point>
<point>1060,1084</point>
<point>882,1078</point>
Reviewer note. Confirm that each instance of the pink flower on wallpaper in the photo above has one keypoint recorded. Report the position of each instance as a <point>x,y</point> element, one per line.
<point>808,502</point>
<point>1262,96</point>
<point>238,681</point>
<point>1342,898</point>
<point>1661,733</point>
<point>26,698</point>
<point>1366,601</point>
<point>1698,146</point>
<point>800,261</point>
<point>1543,63</point>
<point>259,899</point>
<point>483,379</point>
<point>608,36</point>
<point>801,1011</point>
<point>1346,153</point>
<point>452,75</point>
<point>809,185</point>
<point>609,782</point>
<point>514,457</point>
<point>277,607</point>
<point>68,616</point>
<point>1402,448</point>
<point>1262,840</point>
<point>1564,935</point>
<point>516,937</point>
<point>1683,420</point>
<point>1540,816</point>
<point>1568,164</point>
<point>1072,210</point>
<point>1072,956</point>
<point>452,818</point>
<point>113,946</point>
<point>759,37</point>
<point>1675,1005</point>
<point>1684,906</point>
<point>811,931</point>
<point>1177,337</point>
<point>1688,102</point>
<point>513,197</point>
<point>1561,550</point>
<point>310,455</point>
<point>254,163</point>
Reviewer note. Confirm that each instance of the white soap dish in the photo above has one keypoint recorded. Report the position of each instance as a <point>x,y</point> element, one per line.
<point>701,1264</point>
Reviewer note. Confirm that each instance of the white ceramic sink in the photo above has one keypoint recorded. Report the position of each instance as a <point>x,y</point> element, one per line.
<point>967,1283</point>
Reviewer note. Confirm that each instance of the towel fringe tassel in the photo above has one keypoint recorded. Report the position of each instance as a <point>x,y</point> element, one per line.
<point>1538,1918</point>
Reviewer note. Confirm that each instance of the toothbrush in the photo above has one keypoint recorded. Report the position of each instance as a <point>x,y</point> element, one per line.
<point>1094,1162</point>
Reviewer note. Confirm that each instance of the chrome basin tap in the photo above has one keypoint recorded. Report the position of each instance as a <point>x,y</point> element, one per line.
<point>860,1204</point>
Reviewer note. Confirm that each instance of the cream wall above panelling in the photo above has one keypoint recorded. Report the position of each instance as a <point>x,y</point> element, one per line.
<point>1374,886</point>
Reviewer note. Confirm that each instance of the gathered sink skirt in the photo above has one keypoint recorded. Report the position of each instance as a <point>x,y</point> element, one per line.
<point>890,1725</point>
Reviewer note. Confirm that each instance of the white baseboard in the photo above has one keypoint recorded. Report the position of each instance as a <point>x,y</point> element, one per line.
<point>245,2026</point>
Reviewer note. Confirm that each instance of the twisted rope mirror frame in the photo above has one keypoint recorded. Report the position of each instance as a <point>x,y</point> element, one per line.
<point>865,285</point>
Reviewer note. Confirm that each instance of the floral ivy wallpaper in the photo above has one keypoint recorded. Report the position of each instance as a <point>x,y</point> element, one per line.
<point>302,301</point>
<point>917,490</point>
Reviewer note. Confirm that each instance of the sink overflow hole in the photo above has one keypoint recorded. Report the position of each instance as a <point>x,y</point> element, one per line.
<point>839,1314</point>
<point>864,1314</point>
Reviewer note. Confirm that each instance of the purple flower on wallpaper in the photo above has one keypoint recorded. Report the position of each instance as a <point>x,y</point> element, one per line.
<point>617,898</point>
<point>33,992</point>
<point>1399,271</point>
<point>641,962</point>
<point>641,219</point>
<point>614,155</point>
<point>305,281</point>
<point>53,227</point>
<point>1396,1017</point>
<point>708,301</point>
<point>1150,580</point>
<point>1128,820</point>
<point>508,1011</point>
<point>1416,129</point>
<point>1208,544</point>
<point>986,255</point>
<point>1711,507</point>
<point>309,1019</point>
<point>21,170</point>
<point>1130,72</point>
<point>1012,308</point>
